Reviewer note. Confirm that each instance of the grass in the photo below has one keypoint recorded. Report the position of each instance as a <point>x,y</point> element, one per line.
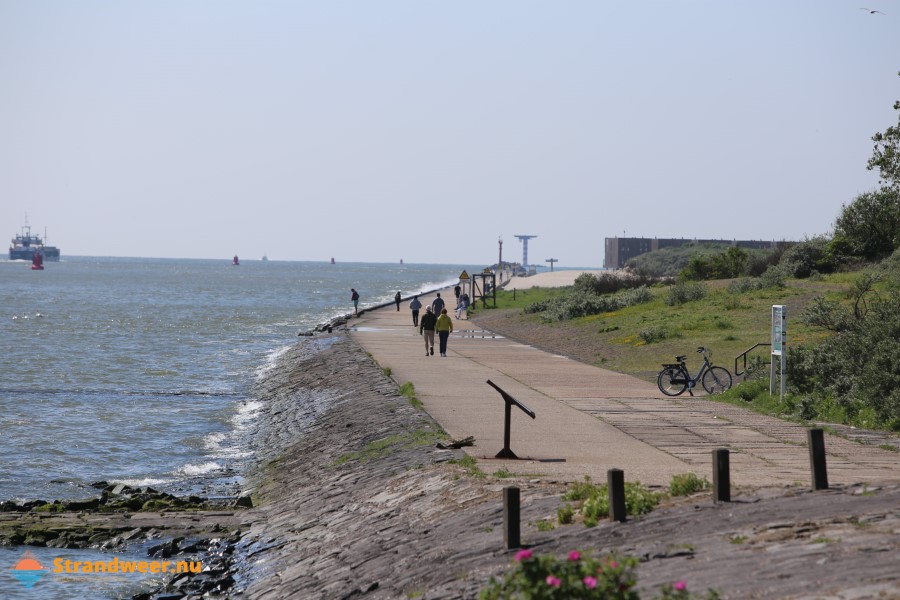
<point>728,324</point>
<point>390,444</point>
<point>409,391</point>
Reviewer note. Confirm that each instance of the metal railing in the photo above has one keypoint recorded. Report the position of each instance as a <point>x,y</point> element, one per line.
<point>743,355</point>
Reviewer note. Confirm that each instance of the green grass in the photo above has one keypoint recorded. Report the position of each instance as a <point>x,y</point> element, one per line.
<point>409,391</point>
<point>390,444</point>
<point>727,324</point>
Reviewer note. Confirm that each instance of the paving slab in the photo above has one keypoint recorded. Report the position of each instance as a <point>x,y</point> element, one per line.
<point>589,420</point>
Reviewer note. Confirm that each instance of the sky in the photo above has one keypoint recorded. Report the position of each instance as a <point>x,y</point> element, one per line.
<point>428,131</point>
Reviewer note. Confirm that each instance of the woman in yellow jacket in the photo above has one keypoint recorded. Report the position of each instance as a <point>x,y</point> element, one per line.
<point>444,327</point>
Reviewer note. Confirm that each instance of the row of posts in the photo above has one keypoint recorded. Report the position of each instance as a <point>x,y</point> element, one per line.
<point>615,479</point>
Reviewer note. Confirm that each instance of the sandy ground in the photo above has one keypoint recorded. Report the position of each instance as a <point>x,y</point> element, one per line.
<point>548,280</point>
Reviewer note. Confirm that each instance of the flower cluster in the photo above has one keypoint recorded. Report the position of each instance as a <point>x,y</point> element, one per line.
<point>578,576</point>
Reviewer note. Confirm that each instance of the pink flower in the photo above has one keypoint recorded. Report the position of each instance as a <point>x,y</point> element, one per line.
<point>551,580</point>
<point>613,565</point>
<point>590,582</point>
<point>523,555</point>
<point>680,585</point>
<point>574,555</point>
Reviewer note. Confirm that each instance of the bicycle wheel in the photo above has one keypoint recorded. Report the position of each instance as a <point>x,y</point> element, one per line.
<point>671,381</point>
<point>716,380</point>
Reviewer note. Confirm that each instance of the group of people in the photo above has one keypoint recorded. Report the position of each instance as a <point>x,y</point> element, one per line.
<point>435,319</point>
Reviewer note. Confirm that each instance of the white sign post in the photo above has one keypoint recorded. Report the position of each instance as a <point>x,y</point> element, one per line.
<point>779,346</point>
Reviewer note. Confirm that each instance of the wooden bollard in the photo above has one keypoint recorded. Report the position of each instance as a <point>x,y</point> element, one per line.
<point>615,480</point>
<point>816,441</point>
<point>511,516</point>
<point>721,476</point>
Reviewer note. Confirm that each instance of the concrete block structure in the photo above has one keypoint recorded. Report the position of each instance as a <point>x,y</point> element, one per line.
<point>619,250</point>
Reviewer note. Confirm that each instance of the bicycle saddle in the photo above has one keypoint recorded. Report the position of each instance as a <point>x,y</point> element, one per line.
<point>681,359</point>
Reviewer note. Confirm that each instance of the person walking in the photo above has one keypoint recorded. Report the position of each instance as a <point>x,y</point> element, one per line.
<point>438,305</point>
<point>397,299</point>
<point>426,328</point>
<point>354,296</point>
<point>414,306</point>
<point>444,328</point>
<point>462,306</point>
<point>456,292</point>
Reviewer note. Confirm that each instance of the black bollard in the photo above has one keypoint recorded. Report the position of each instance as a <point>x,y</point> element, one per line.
<point>816,440</point>
<point>721,476</point>
<point>615,480</point>
<point>511,516</point>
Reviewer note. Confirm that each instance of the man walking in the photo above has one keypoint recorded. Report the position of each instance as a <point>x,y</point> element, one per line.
<point>426,328</point>
<point>414,306</point>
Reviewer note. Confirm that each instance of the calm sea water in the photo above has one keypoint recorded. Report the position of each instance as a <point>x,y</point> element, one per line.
<point>140,370</point>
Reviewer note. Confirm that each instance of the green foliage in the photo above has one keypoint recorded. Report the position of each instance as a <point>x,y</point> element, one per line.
<point>856,370</point>
<point>725,265</point>
<point>681,293</point>
<point>409,391</point>
<point>809,256</point>
<point>686,484</point>
<point>656,333</point>
<point>576,576</point>
<point>565,514</point>
<point>610,283</point>
<point>886,154</point>
<point>871,224</point>
<point>638,501</point>
<point>827,314</point>
<point>581,304</point>
<point>773,278</point>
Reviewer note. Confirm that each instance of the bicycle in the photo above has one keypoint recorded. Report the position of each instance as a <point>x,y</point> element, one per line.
<point>675,378</point>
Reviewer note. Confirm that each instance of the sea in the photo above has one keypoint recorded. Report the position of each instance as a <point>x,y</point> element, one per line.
<point>141,371</point>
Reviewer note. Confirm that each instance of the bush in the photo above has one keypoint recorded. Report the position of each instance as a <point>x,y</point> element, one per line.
<point>811,255</point>
<point>638,501</point>
<point>681,293</point>
<point>581,304</point>
<point>654,334</point>
<point>611,282</point>
<point>687,484</point>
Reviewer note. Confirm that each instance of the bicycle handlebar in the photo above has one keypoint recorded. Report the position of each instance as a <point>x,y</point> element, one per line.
<point>701,349</point>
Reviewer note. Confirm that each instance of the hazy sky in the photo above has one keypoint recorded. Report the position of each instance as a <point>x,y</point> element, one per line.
<point>423,130</point>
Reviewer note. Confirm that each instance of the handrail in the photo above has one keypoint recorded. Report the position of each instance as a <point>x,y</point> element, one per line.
<point>744,355</point>
<point>509,402</point>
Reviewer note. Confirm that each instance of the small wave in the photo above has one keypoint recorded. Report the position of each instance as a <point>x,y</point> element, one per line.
<point>271,361</point>
<point>146,481</point>
<point>247,412</point>
<point>202,469</point>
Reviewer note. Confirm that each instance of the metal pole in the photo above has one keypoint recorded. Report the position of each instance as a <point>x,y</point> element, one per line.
<point>721,476</point>
<point>615,480</point>
<point>511,518</point>
<point>816,440</point>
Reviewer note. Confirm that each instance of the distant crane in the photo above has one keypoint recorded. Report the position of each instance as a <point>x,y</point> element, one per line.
<point>524,239</point>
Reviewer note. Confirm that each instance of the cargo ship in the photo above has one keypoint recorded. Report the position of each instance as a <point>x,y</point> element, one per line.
<point>25,245</point>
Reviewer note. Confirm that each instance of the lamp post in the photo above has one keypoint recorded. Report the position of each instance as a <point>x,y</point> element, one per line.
<point>500,259</point>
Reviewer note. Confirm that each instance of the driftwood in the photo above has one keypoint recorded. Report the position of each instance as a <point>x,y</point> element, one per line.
<point>467,441</point>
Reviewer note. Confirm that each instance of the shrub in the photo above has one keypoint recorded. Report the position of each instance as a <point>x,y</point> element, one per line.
<point>638,501</point>
<point>611,282</point>
<point>656,333</point>
<point>809,255</point>
<point>686,484</point>
<point>681,293</point>
<point>581,304</point>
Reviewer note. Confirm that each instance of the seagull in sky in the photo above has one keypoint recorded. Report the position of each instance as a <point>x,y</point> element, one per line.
<point>871,11</point>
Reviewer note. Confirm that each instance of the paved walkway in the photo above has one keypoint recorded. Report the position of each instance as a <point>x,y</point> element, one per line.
<point>590,420</point>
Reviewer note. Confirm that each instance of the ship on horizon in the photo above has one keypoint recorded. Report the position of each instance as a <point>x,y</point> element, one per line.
<point>25,245</point>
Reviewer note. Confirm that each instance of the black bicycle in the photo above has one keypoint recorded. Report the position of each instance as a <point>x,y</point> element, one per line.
<point>674,378</point>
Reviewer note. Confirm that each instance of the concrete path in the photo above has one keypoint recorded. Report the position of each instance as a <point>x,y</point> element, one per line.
<point>589,419</point>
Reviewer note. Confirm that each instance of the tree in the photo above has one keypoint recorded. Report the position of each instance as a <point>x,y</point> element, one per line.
<point>871,223</point>
<point>886,155</point>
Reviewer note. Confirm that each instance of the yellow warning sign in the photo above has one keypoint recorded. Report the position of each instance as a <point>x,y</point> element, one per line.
<point>464,275</point>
